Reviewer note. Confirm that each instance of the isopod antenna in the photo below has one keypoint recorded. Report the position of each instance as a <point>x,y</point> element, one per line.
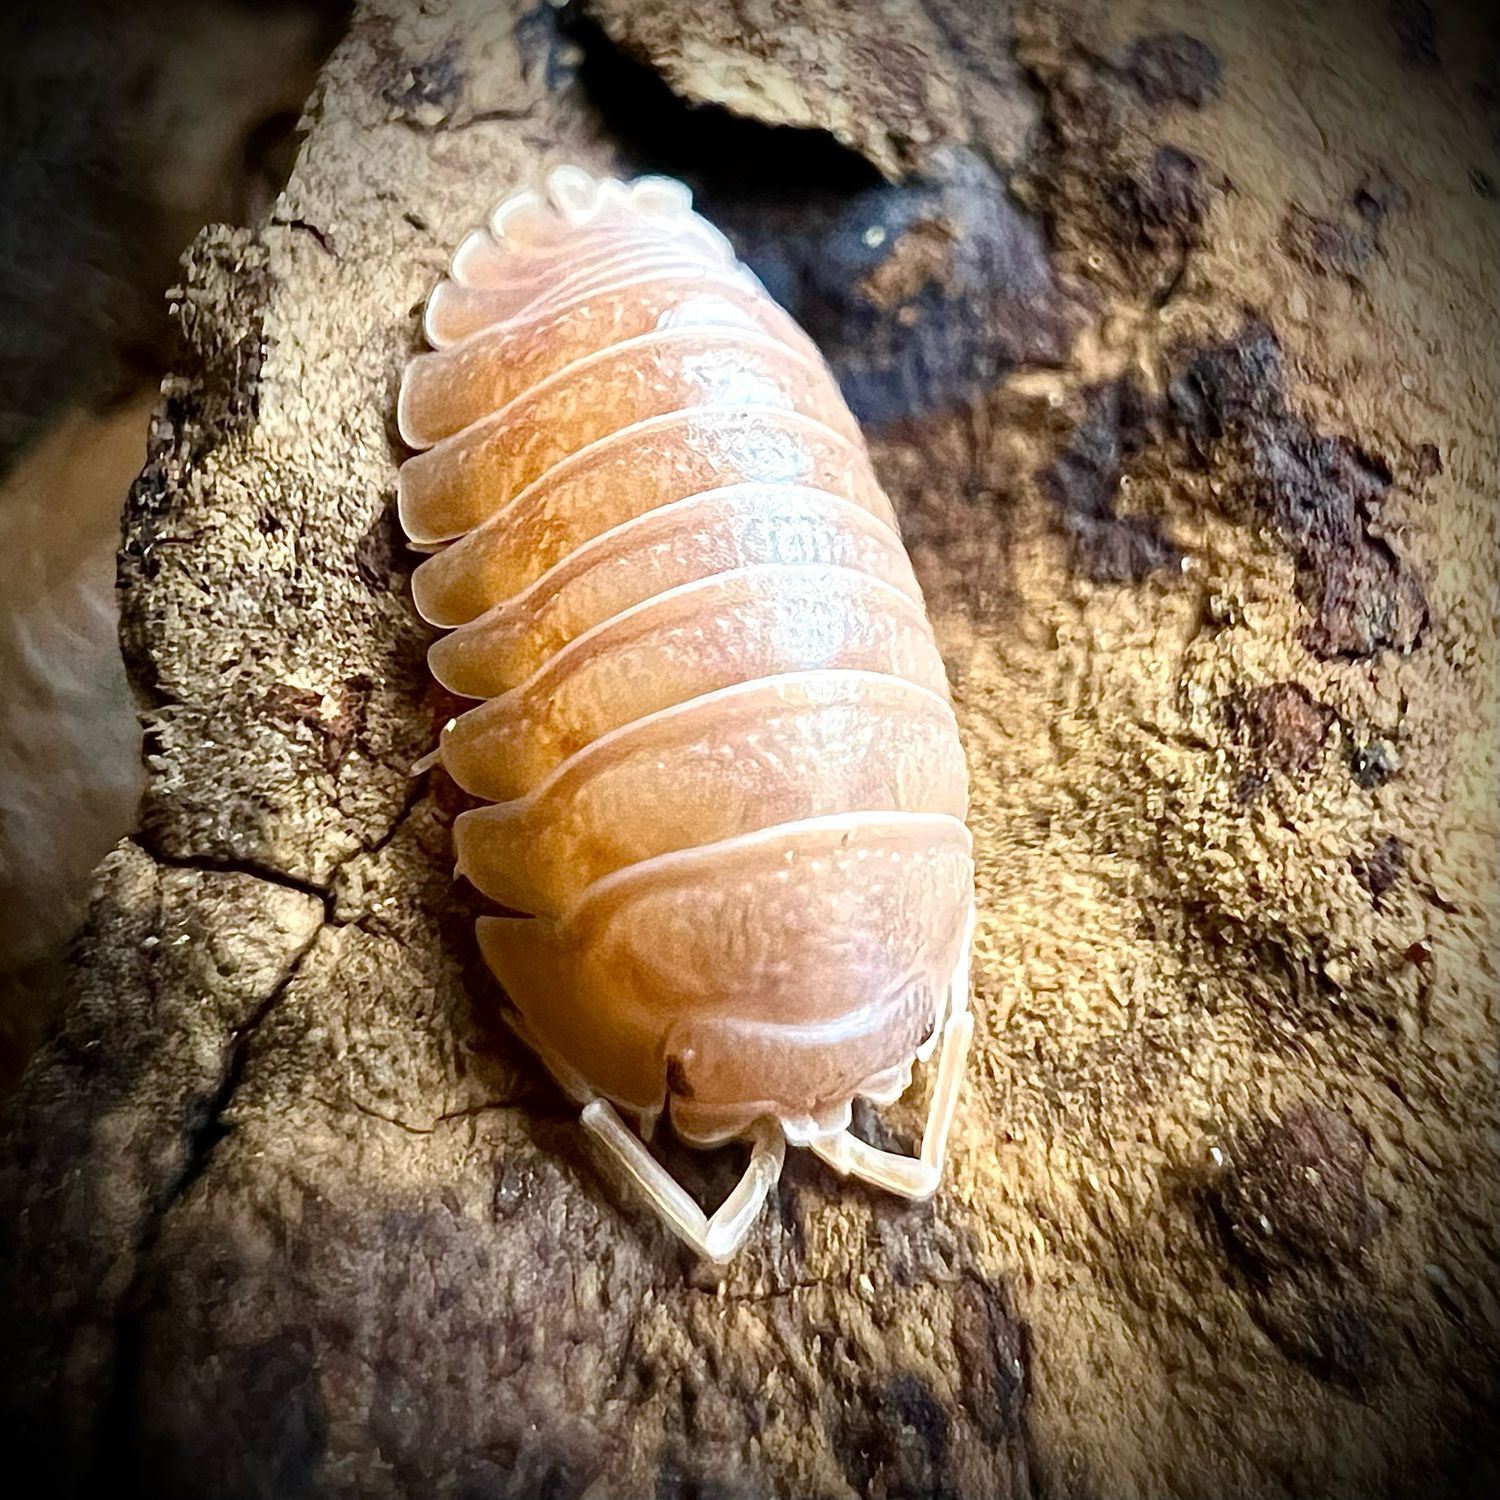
<point>917,1177</point>
<point>718,1238</point>
<point>715,1239</point>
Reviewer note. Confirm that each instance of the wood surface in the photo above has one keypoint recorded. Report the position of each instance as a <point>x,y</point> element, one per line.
<point>1172,326</point>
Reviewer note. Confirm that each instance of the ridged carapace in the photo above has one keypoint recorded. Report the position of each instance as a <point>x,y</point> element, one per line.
<point>724,774</point>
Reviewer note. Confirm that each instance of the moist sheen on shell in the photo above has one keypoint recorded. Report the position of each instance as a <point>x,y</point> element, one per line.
<point>724,782</point>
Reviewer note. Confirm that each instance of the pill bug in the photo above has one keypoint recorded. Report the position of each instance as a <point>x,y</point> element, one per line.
<point>723,775</point>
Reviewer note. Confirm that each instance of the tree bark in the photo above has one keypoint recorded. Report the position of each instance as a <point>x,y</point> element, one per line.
<point>1172,328</point>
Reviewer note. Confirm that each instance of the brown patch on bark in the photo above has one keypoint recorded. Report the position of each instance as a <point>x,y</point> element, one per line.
<point>1104,182</point>
<point>1326,245</point>
<point>901,1445</point>
<point>1083,481</point>
<point>1287,726</point>
<point>991,1348</point>
<point>1380,869</point>
<point>1295,1193</point>
<point>1333,1335</point>
<point>336,718</point>
<point>1161,206</point>
<point>1172,67</point>
<point>1338,244</point>
<point>1320,492</point>
<point>1297,1224</point>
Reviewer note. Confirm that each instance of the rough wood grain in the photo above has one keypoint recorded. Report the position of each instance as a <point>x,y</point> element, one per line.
<point>124,129</point>
<point>1181,373</point>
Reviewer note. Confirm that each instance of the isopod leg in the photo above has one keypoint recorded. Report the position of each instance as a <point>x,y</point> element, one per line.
<point>916,1176</point>
<point>717,1238</point>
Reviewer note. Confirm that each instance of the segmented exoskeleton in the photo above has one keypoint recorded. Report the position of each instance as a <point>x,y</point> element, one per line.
<point>726,778</point>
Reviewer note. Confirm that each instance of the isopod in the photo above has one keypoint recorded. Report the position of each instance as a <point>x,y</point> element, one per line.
<point>723,776</point>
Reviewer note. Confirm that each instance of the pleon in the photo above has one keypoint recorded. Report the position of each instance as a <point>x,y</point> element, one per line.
<point>803,927</point>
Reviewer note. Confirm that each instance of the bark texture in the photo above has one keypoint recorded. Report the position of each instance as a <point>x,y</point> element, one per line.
<point>125,127</point>
<point>1173,327</point>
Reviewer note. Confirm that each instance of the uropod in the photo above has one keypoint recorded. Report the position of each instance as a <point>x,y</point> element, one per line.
<point>723,775</point>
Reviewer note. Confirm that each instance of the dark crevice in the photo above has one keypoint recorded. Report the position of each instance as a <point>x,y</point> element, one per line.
<point>202,1129</point>
<point>479,117</point>
<point>206,864</point>
<point>773,189</point>
<point>920,293</point>
<point>717,152</point>
<point>326,894</point>
<point>303,226</point>
<point>416,791</point>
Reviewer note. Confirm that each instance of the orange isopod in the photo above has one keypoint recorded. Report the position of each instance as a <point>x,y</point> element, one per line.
<point>723,773</point>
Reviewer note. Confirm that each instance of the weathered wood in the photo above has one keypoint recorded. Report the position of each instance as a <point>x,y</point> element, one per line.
<point>124,129</point>
<point>1173,329</point>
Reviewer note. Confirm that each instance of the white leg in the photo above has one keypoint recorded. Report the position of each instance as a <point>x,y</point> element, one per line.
<point>715,1239</point>
<point>916,1176</point>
